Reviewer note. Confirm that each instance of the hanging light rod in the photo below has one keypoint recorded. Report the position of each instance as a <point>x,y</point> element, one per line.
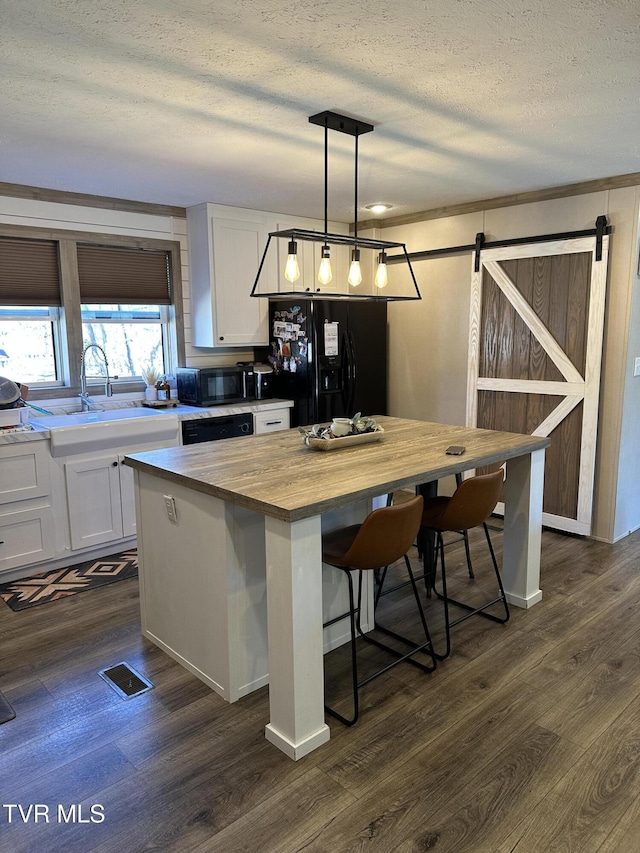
<point>368,275</point>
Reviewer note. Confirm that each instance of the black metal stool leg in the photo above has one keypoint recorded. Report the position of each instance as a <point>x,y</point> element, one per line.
<point>472,611</point>
<point>415,648</point>
<point>465,536</point>
<point>354,660</point>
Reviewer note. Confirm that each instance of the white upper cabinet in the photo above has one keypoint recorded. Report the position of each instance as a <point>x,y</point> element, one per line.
<point>225,250</point>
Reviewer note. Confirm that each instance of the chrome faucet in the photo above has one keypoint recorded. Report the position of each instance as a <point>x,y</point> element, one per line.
<point>87,403</point>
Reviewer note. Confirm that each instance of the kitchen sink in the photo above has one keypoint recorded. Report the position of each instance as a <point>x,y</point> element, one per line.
<point>86,432</point>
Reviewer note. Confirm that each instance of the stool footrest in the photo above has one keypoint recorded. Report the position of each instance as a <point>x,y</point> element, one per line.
<point>400,657</point>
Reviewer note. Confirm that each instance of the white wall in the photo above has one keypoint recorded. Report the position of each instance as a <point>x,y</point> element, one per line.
<point>429,339</point>
<point>628,492</point>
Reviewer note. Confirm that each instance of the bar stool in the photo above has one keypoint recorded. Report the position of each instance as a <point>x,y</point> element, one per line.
<point>427,575</point>
<point>383,537</point>
<point>470,506</point>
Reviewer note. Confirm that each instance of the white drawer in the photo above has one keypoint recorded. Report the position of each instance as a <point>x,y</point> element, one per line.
<point>271,421</point>
<point>24,471</point>
<point>26,537</point>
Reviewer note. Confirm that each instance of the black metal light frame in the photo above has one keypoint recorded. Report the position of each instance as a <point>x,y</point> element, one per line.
<point>353,127</point>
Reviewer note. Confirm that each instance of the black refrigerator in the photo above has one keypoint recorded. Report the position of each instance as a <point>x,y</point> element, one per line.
<point>329,357</point>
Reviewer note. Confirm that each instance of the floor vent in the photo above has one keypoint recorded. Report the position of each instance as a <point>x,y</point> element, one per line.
<point>125,680</point>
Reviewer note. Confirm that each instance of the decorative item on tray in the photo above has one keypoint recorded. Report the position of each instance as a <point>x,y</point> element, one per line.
<point>342,432</point>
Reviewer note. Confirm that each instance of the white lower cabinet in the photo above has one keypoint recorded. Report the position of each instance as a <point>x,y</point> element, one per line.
<point>272,420</point>
<point>27,530</point>
<point>127,499</point>
<point>100,497</point>
<point>26,536</point>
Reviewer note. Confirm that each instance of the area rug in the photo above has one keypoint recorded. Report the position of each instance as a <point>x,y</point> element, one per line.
<point>51,586</point>
<point>6,711</point>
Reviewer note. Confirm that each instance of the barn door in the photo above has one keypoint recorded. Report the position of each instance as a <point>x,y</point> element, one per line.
<point>535,347</point>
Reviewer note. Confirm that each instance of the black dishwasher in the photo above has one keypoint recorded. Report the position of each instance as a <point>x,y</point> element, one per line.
<point>213,429</point>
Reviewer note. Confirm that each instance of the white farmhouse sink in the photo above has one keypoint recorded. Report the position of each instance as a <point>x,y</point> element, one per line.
<point>86,432</point>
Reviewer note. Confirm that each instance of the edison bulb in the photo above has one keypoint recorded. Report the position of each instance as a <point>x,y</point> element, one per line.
<point>324,273</point>
<point>382,277</point>
<point>292,270</point>
<point>355,273</point>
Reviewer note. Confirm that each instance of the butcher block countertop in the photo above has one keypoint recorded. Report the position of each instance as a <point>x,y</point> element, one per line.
<point>277,475</point>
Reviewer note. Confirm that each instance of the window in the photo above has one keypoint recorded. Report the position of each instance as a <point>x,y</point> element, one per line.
<point>29,342</point>
<point>134,337</point>
<point>60,291</point>
<point>132,330</point>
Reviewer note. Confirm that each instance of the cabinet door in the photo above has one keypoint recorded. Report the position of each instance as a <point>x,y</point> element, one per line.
<point>93,495</point>
<point>128,499</point>
<point>237,251</point>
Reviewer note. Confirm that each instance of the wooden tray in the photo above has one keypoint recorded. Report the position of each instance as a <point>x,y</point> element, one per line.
<point>345,440</point>
<point>159,404</point>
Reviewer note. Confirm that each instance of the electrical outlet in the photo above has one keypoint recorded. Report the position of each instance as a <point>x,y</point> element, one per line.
<point>170,503</point>
<point>636,367</point>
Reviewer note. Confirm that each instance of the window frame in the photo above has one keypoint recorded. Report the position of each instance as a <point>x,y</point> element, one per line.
<point>70,326</point>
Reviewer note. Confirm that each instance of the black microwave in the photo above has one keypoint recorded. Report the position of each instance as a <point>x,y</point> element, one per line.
<point>213,386</point>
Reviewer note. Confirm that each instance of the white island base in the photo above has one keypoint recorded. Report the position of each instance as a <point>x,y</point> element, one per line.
<point>203,592</point>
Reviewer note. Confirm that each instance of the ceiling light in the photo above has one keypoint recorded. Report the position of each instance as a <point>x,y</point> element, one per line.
<point>364,267</point>
<point>378,208</point>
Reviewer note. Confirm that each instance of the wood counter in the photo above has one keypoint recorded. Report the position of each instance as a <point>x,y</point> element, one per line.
<point>277,475</point>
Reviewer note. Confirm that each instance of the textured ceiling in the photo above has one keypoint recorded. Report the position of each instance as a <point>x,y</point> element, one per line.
<point>184,101</point>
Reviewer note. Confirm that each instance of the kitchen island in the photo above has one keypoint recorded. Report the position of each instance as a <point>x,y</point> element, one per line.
<point>219,523</point>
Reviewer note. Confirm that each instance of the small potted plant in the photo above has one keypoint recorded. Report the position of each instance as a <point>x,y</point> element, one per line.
<point>150,376</point>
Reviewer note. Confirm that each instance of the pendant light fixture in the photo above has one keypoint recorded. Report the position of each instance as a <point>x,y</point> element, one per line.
<point>325,273</point>
<point>350,266</point>
<point>355,273</point>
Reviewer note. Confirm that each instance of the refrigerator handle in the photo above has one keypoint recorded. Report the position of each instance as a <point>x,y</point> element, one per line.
<point>345,372</point>
<point>352,370</point>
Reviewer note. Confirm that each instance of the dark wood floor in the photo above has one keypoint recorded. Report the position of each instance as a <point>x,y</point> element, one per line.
<point>527,739</point>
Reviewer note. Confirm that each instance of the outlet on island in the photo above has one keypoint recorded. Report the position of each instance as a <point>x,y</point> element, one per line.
<point>170,503</point>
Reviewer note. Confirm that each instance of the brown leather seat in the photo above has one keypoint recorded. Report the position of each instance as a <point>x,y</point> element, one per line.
<point>470,505</point>
<point>384,537</point>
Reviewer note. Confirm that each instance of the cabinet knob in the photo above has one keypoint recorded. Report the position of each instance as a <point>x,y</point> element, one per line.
<point>221,337</point>
<point>114,464</point>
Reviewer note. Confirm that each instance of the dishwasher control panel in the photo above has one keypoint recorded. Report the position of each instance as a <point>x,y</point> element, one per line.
<point>213,429</point>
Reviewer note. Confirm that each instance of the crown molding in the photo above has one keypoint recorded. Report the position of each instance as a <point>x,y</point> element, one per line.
<point>629,180</point>
<point>87,200</point>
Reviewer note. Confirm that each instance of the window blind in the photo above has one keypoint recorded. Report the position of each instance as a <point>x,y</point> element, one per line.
<point>29,272</point>
<point>128,276</point>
